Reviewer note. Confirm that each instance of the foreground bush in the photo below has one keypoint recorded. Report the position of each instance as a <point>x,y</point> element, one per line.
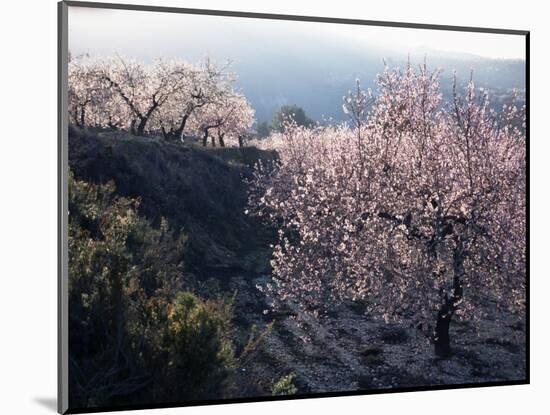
<point>199,345</point>
<point>284,385</point>
<point>135,334</point>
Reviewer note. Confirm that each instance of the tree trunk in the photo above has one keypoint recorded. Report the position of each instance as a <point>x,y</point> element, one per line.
<point>213,141</point>
<point>442,341</point>
<point>205,137</point>
<point>220,138</point>
<point>133,127</point>
<point>179,131</point>
<point>241,141</point>
<point>141,126</point>
<point>164,133</point>
<point>111,125</point>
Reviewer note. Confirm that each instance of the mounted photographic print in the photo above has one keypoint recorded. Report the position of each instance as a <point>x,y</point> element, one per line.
<point>256,207</point>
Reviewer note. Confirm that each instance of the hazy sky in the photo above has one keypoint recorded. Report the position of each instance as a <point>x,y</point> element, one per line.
<point>152,34</point>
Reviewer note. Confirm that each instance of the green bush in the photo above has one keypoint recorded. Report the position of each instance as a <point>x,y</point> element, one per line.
<point>135,333</point>
<point>284,386</point>
<point>201,351</point>
<point>290,113</point>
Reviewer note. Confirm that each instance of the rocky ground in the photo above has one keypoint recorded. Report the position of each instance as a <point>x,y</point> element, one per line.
<point>348,351</point>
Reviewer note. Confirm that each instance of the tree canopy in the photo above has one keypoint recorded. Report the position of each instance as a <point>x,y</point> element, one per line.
<point>418,207</point>
<point>290,113</point>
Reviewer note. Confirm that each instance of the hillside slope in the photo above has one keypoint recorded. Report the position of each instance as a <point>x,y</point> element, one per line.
<point>199,191</point>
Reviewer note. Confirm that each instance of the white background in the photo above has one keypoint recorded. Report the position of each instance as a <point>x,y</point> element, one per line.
<point>28,142</point>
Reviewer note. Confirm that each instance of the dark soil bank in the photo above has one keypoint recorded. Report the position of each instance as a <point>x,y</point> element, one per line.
<point>197,190</point>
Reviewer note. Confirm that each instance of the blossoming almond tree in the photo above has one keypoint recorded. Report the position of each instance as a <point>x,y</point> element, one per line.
<point>418,208</point>
<point>229,116</point>
<point>205,85</point>
<point>159,98</point>
<point>144,89</point>
<point>238,120</point>
<point>90,102</point>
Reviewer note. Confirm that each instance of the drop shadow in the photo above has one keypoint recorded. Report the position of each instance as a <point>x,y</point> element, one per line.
<point>48,403</point>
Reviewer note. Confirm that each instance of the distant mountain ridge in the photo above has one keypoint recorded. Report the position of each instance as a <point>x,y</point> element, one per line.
<point>318,85</point>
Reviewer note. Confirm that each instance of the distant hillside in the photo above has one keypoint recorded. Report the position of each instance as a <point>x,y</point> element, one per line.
<point>199,190</point>
<point>317,83</point>
<point>308,64</point>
